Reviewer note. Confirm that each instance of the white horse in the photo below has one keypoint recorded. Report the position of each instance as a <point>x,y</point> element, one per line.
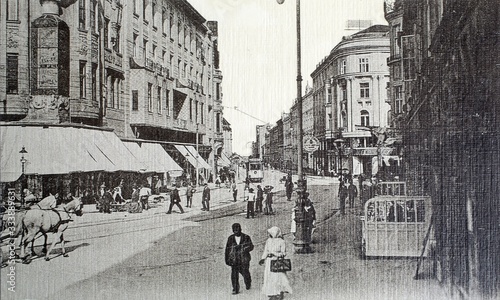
<point>48,220</point>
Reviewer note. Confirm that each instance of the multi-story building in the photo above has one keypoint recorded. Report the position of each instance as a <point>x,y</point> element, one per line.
<point>308,125</point>
<point>173,80</point>
<point>260,139</point>
<point>275,144</point>
<point>149,70</point>
<point>449,120</point>
<point>353,80</point>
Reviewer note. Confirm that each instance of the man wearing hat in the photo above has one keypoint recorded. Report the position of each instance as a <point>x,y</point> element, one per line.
<point>175,199</point>
<point>205,200</point>
<point>251,203</point>
<point>106,198</point>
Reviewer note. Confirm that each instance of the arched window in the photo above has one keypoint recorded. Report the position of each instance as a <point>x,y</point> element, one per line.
<point>365,118</point>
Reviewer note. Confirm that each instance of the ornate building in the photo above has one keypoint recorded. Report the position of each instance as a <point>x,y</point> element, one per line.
<point>351,82</point>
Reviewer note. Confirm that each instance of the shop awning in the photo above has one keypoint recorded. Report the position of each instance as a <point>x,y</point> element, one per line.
<point>201,162</point>
<point>155,158</point>
<point>56,150</point>
<point>186,154</point>
<point>224,160</point>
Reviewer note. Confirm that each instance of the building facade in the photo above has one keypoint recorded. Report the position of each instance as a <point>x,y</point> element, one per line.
<point>352,82</point>
<point>148,69</point>
<point>449,52</point>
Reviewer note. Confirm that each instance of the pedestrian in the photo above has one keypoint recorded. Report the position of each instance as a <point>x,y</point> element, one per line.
<point>251,203</point>
<point>175,199</point>
<point>105,199</point>
<point>247,183</point>
<point>289,187</point>
<point>237,256</point>
<point>343,193</point>
<point>293,226</point>
<point>117,193</point>
<point>205,201</point>
<point>268,210</point>
<point>190,190</point>
<point>144,194</point>
<point>234,188</point>
<point>259,199</point>
<point>352,191</point>
<point>134,206</point>
<point>276,284</point>
<point>310,214</point>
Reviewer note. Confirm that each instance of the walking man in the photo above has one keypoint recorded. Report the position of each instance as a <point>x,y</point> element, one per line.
<point>237,256</point>
<point>234,188</point>
<point>259,199</point>
<point>342,196</point>
<point>206,198</point>
<point>189,195</point>
<point>353,193</point>
<point>251,203</point>
<point>175,199</point>
<point>269,203</point>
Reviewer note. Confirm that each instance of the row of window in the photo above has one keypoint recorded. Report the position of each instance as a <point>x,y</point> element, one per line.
<point>162,96</point>
<point>182,69</point>
<point>363,64</point>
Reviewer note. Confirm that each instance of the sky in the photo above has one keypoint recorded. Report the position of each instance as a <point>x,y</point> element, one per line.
<point>258,53</point>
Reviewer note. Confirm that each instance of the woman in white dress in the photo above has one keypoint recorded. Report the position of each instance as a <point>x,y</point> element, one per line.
<point>275,284</point>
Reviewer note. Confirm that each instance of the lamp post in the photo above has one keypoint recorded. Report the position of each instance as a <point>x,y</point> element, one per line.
<point>23,162</point>
<point>339,143</point>
<point>197,154</point>
<point>303,234</point>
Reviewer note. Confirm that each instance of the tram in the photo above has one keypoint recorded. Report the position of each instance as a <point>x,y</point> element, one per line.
<point>255,170</point>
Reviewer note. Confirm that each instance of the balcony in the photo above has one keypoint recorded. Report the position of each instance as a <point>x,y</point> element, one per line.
<point>113,59</point>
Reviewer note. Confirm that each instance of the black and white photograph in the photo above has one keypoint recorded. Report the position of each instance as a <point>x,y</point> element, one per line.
<point>250,149</point>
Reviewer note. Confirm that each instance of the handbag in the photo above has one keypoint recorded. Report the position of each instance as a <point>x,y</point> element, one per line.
<point>281,265</point>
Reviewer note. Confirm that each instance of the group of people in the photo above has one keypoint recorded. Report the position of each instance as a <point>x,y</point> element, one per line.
<point>237,256</point>
<point>347,190</point>
<point>175,198</point>
<point>257,203</point>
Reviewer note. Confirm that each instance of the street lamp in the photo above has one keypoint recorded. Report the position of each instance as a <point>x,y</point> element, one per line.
<point>302,236</point>
<point>23,162</point>
<point>197,155</point>
<point>339,143</point>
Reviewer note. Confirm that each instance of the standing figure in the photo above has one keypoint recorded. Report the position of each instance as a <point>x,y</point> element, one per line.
<point>353,193</point>
<point>117,193</point>
<point>275,283</point>
<point>205,200</point>
<point>247,183</point>
<point>289,187</point>
<point>251,203</point>
<point>175,199</point>
<point>237,256</point>
<point>310,215</point>
<point>189,194</point>
<point>144,194</point>
<point>234,188</point>
<point>343,193</point>
<point>105,199</point>
<point>259,199</point>
<point>269,203</point>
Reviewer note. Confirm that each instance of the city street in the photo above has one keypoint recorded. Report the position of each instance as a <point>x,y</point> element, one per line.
<point>157,256</point>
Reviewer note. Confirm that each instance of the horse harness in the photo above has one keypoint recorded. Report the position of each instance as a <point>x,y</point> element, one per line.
<point>61,221</point>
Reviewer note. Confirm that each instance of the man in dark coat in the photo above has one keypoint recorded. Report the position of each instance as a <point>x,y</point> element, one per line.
<point>205,199</point>
<point>259,199</point>
<point>289,187</point>
<point>238,257</point>
<point>175,199</point>
<point>353,193</point>
<point>343,193</point>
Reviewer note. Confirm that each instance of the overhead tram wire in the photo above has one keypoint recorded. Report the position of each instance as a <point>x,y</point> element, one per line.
<point>239,110</point>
